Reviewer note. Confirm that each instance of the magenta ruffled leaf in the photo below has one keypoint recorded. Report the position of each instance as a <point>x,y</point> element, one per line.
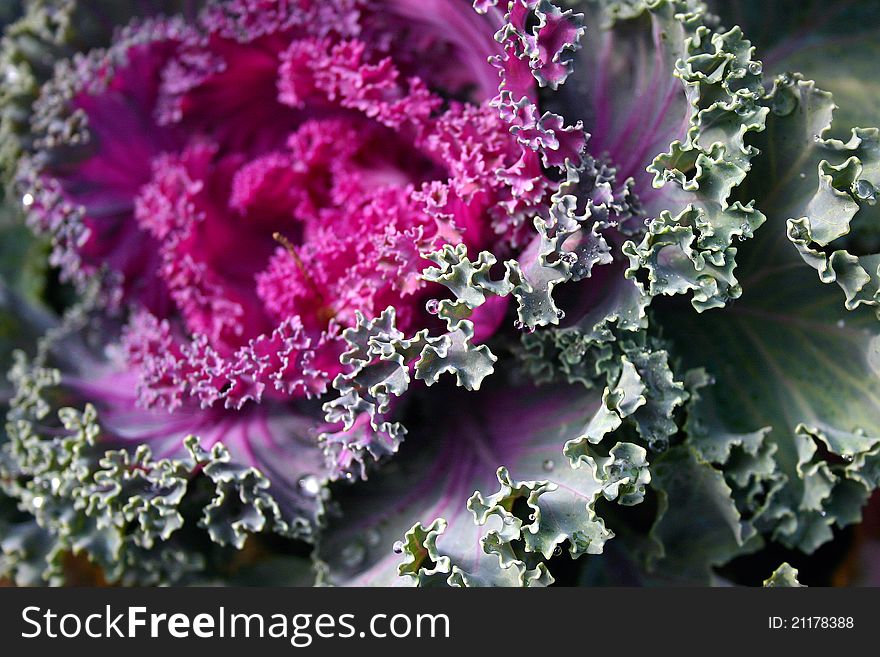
<point>289,172</point>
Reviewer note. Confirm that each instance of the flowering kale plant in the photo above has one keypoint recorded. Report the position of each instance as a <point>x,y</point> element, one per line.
<point>437,292</point>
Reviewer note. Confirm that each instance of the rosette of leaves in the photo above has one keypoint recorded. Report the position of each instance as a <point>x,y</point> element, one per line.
<point>688,369</point>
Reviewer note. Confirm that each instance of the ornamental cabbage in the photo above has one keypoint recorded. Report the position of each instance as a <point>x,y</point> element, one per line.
<point>432,292</point>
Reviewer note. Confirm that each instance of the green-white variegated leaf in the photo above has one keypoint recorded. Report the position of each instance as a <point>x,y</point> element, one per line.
<point>604,342</point>
<point>608,311</point>
<point>485,496</point>
<point>826,186</point>
<point>553,449</point>
<point>698,525</point>
<point>791,416</point>
<point>745,458</point>
<point>784,576</point>
<point>712,86</point>
<point>792,369</point>
<point>142,520</point>
<point>379,358</point>
<point>834,42</point>
<point>823,187</point>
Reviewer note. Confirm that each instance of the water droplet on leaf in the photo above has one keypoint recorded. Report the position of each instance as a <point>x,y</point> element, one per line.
<point>432,306</point>
<point>353,554</point>
<point>865,191</point>
<point>397,548</point>
<point>372,536</point>
<point>783,103</point>
<point>548,465</point>
<point>309,485</point>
